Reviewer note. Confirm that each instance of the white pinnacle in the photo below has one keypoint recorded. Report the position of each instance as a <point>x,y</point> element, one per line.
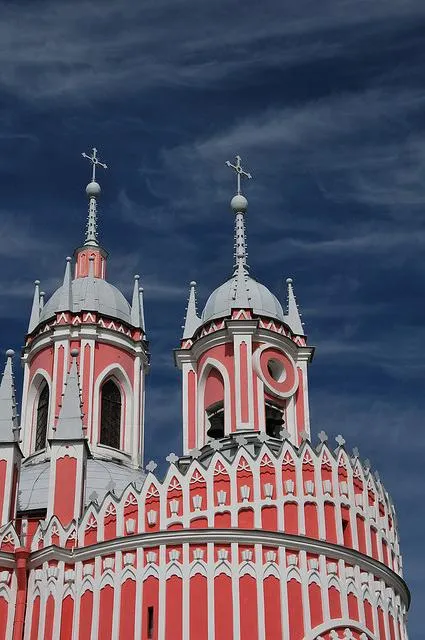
<point>136,312</point>
<point>192,320</point>
<point>35,310</point>
<point>8,415</point>
<point>293,318</point>
<point>65,301</point>
<point>70,422</point>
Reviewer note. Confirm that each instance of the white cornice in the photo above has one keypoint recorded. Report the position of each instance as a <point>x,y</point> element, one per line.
<point>225,536</point>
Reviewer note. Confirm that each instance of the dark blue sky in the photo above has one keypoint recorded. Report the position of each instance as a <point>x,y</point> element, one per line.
<point>324,101</point>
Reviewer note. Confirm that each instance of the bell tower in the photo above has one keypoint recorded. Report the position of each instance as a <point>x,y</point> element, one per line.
<point>90,316</point>
<point>243,360</point>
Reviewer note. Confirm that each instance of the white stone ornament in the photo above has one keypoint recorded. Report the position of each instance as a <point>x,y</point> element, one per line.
<point>174,555</point>
<point>241,440</point>
<point>108,563</point>
<point>309,487</point>
<point>327,486</point>
<point>284,434</point>
<point>129,559</point>
<point>289,486</point>
<point>247,555</point>
<point>216,445</point>
<point>172,458</point>
<point>304,435</point>
<point>4,577</point>
<point>343,488</point>
<point>222,554</point>
<point>151,466</point>
<point>69,576</point>
<point>93,497</point>
<point>174,507</point>
<point>151,557</point>
<point>221,497</point>
<point>198,554</point>
<point>130,525</point>
<point>88,570</point>
<point>152,517</point>
<point>340,441</point>
<point>323,436</point>
<point>197,502</point>
<point>263,437</point>
<point>268,490</point>
<point>195,453</point>
<point>245,491</point>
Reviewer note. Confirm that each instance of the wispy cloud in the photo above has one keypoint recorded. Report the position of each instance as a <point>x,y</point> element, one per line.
<point>91,49</point>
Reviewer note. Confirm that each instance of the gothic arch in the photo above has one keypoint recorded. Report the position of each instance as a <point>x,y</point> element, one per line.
<point>40,416</point>
<point>209,364</point>
<point>117,374</point>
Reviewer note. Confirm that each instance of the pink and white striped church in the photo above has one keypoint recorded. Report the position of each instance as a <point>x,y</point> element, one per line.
<point>258,530</point>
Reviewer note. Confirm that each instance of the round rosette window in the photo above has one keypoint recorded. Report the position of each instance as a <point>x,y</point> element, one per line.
<point>277,370</point>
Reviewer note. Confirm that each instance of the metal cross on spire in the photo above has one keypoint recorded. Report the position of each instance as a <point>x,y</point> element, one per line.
<point>95,161</point>
<point>240,172</point>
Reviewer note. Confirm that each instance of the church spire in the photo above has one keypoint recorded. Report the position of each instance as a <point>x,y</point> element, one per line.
<point>93,192</point>
<point>239,205</point>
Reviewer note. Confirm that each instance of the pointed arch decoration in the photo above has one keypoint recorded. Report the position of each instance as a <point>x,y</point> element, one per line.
<point>42,416</point>
<point>110,414</point>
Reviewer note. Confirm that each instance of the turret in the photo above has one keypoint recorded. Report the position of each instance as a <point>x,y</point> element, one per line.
<point>244,362</point>
<point>90,315</point>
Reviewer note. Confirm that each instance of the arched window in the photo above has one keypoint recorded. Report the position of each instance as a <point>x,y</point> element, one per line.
<point>274,419</point>
<point>214,404</point>
<point>110,417</point>
<point>42,417</point>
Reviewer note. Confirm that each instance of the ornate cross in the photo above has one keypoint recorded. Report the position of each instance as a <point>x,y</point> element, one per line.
<point>95,161</point>
<point>239,172</point>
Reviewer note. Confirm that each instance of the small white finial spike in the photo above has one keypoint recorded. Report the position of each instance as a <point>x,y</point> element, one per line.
<point>192,320</point>
<point>35,310</point>
<point>293,318</point>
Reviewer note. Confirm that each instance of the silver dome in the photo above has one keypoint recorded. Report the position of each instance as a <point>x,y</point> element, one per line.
<point>105,298</point>
<point>102,476</point>
<point>261,301</point>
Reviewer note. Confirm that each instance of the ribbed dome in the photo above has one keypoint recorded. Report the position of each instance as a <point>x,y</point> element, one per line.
<point>261,300</point>
<point>34,482</point>
<point>91,294</point>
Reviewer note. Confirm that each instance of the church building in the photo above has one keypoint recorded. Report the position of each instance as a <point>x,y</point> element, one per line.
<point>259,529</point>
